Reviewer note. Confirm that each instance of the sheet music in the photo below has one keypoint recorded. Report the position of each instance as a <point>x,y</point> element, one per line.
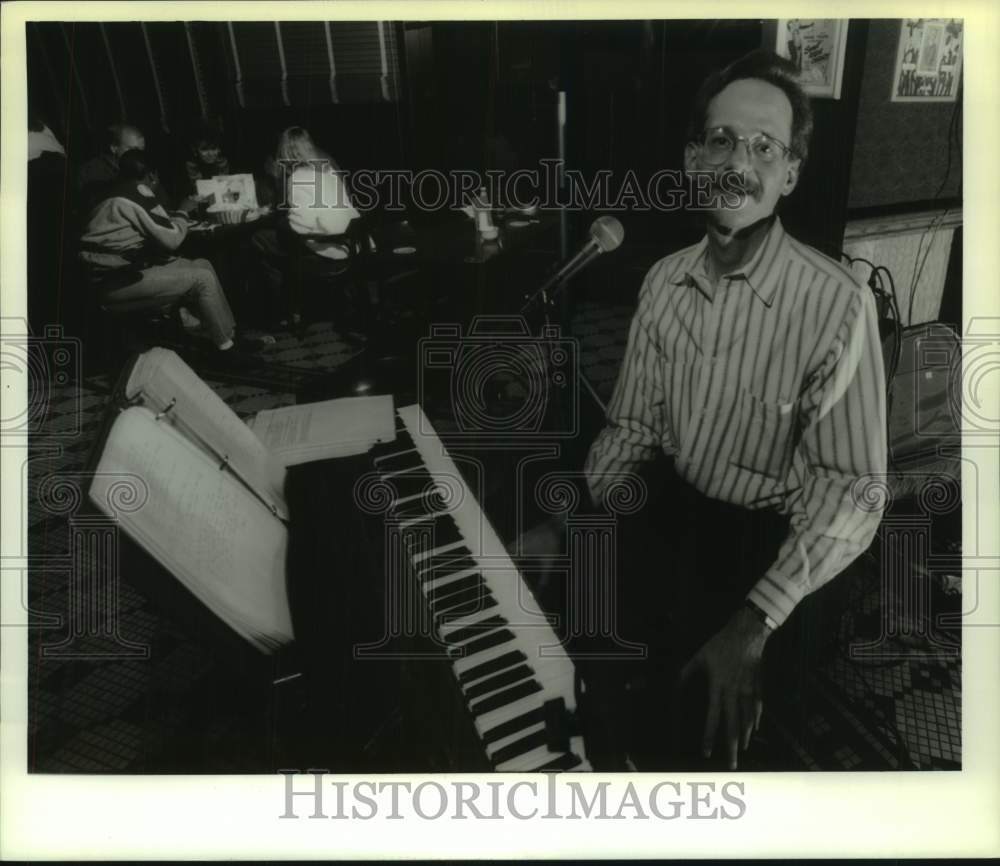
<point>329,428</point>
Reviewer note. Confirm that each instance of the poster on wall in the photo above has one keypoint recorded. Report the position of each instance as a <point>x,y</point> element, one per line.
<point>929,60</point>
<point>816,46</point>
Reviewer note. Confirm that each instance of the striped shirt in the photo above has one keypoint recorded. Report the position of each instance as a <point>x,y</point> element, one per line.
<point>768,391</point>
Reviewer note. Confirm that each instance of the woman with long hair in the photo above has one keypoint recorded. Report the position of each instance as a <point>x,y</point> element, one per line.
<point>317,207</point>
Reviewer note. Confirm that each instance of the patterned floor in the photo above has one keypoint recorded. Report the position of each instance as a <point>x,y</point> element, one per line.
<point>152,698</point>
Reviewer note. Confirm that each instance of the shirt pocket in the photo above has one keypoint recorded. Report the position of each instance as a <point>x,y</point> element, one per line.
<point>765,436</point>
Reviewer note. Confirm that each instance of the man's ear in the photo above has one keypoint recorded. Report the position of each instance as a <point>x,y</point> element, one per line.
<point>690,156</point>
<point>791,176</point>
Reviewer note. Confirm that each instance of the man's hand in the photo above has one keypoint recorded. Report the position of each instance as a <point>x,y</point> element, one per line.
<point>731,663</point>
<point>535,550</point>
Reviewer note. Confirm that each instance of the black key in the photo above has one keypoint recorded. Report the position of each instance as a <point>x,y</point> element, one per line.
<point>453,586</point>
<point>429,577</point>
<point>454,566</point>
<point>468,596</point>
<point>479,645</point>
<point>470,631</point>
<point>507,696</point>
<point>414,472</point>
<point>429,504</point>
<point>519,747</point>
<point>398,460</point>
<point>512,726</point>
<point>409,484</point>
<point>491,684</point>
<point>446,559</point>
<point>404,440</point>
<point>563,762</point>
<point>445,530</point>
<point>492,666</point>
<point>464,610</point>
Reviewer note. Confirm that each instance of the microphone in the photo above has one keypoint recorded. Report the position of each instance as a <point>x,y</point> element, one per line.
<point>606,235</point>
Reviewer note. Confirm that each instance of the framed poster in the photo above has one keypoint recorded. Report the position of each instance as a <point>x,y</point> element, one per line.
<point>928,61</point>
<point>816,46</point>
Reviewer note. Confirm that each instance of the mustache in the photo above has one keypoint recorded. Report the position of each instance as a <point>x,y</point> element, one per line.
<point>732,182</point>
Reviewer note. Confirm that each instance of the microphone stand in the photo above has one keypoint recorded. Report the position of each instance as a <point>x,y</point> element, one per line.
<point>555,322</point>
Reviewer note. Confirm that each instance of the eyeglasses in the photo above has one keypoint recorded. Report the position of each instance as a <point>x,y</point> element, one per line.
<point>718,144</point>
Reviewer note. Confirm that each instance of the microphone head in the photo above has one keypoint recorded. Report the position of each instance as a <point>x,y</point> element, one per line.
<point>608,233</point>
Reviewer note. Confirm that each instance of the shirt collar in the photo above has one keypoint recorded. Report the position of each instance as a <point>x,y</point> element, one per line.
<point>759,273</point>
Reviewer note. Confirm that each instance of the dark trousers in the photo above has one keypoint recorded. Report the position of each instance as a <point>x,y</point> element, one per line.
<point>685,564</point>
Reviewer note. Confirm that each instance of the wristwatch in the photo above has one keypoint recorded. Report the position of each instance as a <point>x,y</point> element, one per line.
<point>762,615</point>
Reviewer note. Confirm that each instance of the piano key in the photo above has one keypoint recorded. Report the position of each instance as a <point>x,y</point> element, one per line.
<point>488,641</point>
<point>409,484</point>
<point>458,599</point>
<point>425,504</point>
<point>451,585</point>
<point>417,470</point>
<point>566,761</point>
<point>445,533</point>
<point>484,669</point>
<point>466,614</point>
<point>471,631</point>
<point>398,460</point>
<point>519,746</point>
<point>498,681</point>
<point>489,722</point>
<point>456,620</point>
<point>545,683</point>
<point>458,564</point>
<point>528,761</point>
<point>442,547</point>
<point>443,560</point>
<point>514,724</point>
<point>498,654</point>
<point>403,439</point>
<point>495,746</point>
<point>445,580</point>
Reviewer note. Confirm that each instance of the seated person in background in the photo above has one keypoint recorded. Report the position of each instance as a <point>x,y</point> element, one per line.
<point>316,204</point>
<point>128,245</point>
<point>206,161</point>
<point>98,174</point>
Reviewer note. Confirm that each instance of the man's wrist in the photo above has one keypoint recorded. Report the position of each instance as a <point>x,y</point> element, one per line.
<point>761,615</point>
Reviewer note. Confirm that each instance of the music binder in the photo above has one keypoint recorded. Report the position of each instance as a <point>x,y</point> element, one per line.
<point>159,379</point>
<point>213,543</point>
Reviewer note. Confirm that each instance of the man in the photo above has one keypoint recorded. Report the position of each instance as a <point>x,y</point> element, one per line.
<point>98,174</point>
<point>128,248</point>
<point>754,365</point>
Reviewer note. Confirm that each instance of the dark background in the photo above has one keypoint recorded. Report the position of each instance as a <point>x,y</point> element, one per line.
<point>477,95</point>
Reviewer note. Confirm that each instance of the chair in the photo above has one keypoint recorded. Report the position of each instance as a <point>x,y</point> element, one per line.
<point>354,285</point>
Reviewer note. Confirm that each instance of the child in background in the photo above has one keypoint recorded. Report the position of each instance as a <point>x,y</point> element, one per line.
<point>206,161</point>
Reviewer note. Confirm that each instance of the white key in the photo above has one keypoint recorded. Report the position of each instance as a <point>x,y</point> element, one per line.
<point>537,757</point>
<point>493,748</point>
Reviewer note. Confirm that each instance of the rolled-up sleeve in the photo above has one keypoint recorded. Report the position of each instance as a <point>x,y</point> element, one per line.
<point>843,444</point>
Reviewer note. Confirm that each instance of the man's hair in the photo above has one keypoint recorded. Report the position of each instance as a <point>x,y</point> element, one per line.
<point>762,65</point>
<point>115,132</point>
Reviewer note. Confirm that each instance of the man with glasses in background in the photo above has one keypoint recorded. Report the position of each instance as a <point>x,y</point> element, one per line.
<point>754,371</point>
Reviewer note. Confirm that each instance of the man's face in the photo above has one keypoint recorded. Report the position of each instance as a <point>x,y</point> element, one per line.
<point>131,139</point>
<point>747,107</point>
<point>208,153</point>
